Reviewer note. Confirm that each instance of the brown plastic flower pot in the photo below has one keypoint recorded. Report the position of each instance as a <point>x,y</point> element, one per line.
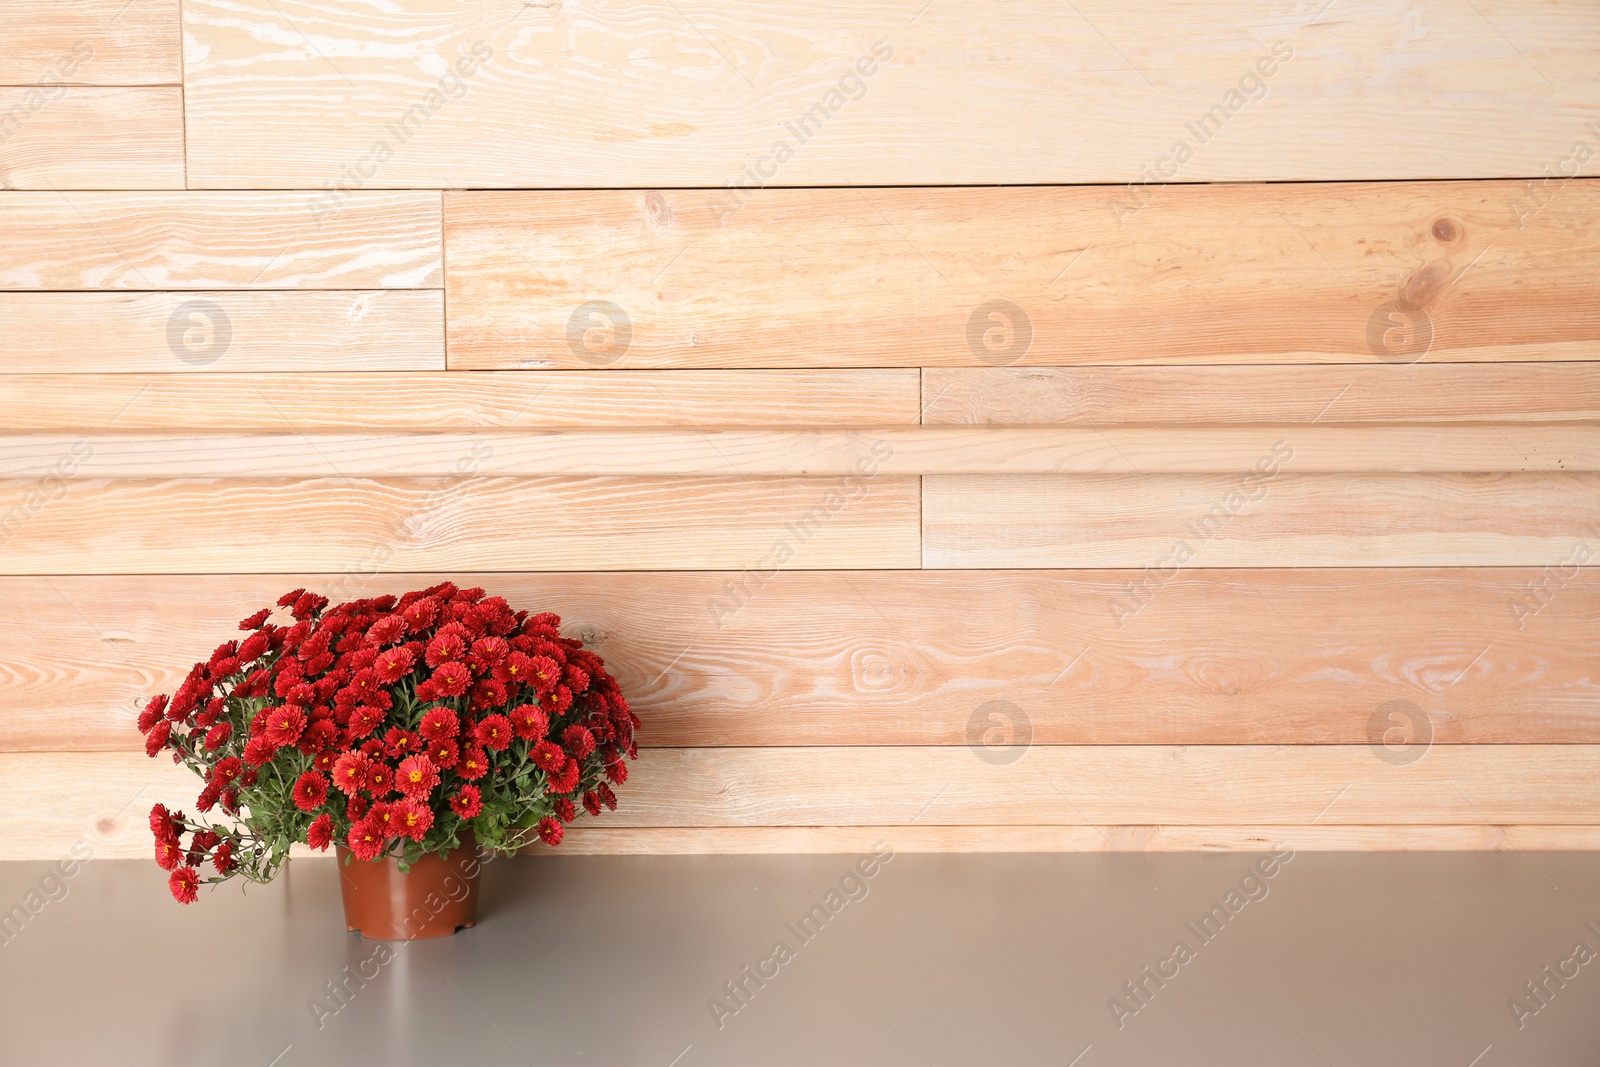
<point>435,898</point>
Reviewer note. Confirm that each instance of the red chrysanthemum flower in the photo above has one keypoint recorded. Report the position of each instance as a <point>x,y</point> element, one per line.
<point>308,605</point>
<point>321,734</point>
<point>548,757</point>
<point>204,841</point>
<point>288,599</point>
<point>380,778</point>
<point>578,741</point>
<point>566,779</point>
<point>324,761</point>
<point>558,700</point>
<point>255,621</point>
<point>515,669</point>
<point>385,631</point>
<point>467,803</point>
<point>366,839</point>
<point>185,885</point>
<point>364,721</point>
<point>412,818</point>
<point>310,790</point>
<point>447,646</point>
<point>222,858</point>
<point>394,664</point>
<point>218,735</point>
<point>551,831</point>
<point>474,764</point>
<point>184,700</point>
<point>320,834</point>
<point>617,771</point>
<point>420,615</point>
<point>591,803</point>
<point>169,853</point>
<point>451,679</point>
<point>545,673</point>
<point>208,797</point>
<point>529,722</point>
<point>284,725</point>
<point>444,754</point>
<point>209,716</point>
<point>416,776</point>
<point>564,809</point>
<point>364,681</point>
<point>350,772</point>
<point>156,739</point>
<point>227,770</point>
<point>258,751</point>
<point>491,650</point>
<point>439,724</point>
<point>152,713</point>
<point>398,743</point>
<point>494,732</point>
<point>255,646</point>
<point>575,678</point>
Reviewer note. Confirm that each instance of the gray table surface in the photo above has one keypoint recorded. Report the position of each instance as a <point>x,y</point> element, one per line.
<point>1337,959</point>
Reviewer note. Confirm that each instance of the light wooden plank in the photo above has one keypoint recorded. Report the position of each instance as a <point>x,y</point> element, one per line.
<point>1202,788</point>
<point>90,42</point>
<point>92,138</point>
<point>1073,786</point>
<point>53,337</point>
<point>673,92</point>
<point>195,240</point>
<point>1419,392</point>
<point>113,793</point>
<point>879,451</point>
<point>1229,274</point>
<point>108,808</point>
<point>1081,657</point>
<point>239,526</point>
<point>321,401</point>
<point>1166,522</point>
<point>595,839</point>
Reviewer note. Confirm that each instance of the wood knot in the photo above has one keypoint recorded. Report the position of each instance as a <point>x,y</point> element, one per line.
<point>1446,230</point>
<point>659,210</point>
<point>1422,287</point>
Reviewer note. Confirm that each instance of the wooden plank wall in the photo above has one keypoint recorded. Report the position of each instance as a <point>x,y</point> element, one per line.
<point>1011,427</point>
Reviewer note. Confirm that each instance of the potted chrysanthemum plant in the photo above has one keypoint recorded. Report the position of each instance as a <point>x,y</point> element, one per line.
<point>411,733</point>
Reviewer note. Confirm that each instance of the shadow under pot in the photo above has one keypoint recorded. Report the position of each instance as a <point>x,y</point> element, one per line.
<point>437,897</point>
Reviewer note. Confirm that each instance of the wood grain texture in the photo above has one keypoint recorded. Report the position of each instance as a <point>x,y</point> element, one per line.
<point>292,93</point>
<point>91,138</point>
<point>485,401</point>
<point>58,339</point>
<point>1232,274</point>
<point>1089,786</point>
<point>93,525</point>
<point>595,839</point>
<point>114,792</point>
<point>934,450</point>
<point>1166,522</point>
<point>190,240</point>
<point>90,42</point>
<point>1419,392</point>
<point>1471,787</point>
<point>1082,657</point>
